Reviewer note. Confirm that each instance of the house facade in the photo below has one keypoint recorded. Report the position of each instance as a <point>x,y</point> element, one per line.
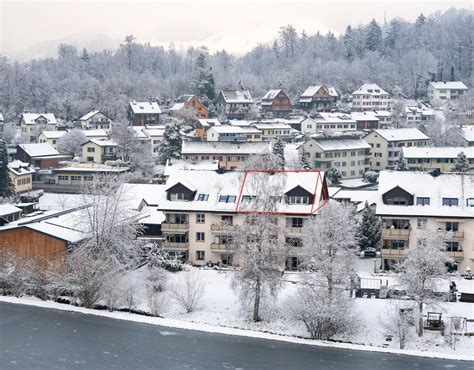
<point>234,104</point>
<point>320,97</point>
<point>189,104</point>
<point>412,202</point>
<point>271,131</point>
<point>96,120</point>
<point>366,120</point>
<point>276,103</point>
<point>31,125</point>
<point>445,90</point>
<point>369,97</point>
<point>441,158</point>
<point>236,134</point>
<point>202,211</point>
<point>21,174</point>
<point>351,156</point>
<point>328,122</point>
<point>99,151</point>
<point>144,113</point>
<point>40,155</point>
<point>51,137</point>
<point>387,145</point>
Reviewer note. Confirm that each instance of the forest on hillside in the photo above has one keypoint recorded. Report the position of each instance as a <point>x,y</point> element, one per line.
<point>400,56</point>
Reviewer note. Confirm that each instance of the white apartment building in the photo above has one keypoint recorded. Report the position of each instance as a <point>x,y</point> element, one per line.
<point>445,90</point>
<point>229,133</point>
<point>31,125</point>
<point>369,97</point>
<point>410,202</point>
<point>328,122</point>
<point>202,209</point>
<point>440,158</point>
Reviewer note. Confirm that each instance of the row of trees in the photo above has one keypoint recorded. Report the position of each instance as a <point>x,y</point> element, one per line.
<point>398,55</point>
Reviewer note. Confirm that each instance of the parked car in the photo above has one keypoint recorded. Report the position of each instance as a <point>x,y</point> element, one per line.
<point>369,252</point>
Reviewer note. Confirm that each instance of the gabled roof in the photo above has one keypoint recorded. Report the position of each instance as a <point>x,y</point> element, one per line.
<point>94,133</point>
<point>341,144</point>
<point>38,149</point>
<point>370,89</point>
<point>312,90</point>
<point>147,107</point>
<point>30,118</point>
<point>183,182</point>
<point>91,114</point>
<point>451,85</point>
<point>438,152</point>
<point>223,148</point>
<point>209,122</point>
<point>400,134</point>
<point>8,209</point>
<point>468,133</point>
<point>100,142</point>
<point>1,117</point>
<point>20,168</point>
<point>173,165</point>
<point>364,116</point>
<point>270,95</point>
<point>53,134</point>
<point>237,96</point>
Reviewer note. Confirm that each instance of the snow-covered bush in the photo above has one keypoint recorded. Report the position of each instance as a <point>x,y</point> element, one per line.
<point>17,275</point>
<point>187,290</point>
<point>158,302</point>
<point>56,279</point>
<point>130,296</point>
<point>399,320</point>
<point>156,279</point>
<point>111,291</point>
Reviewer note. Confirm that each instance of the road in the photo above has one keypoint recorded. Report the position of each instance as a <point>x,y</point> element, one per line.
<point>40,338</point>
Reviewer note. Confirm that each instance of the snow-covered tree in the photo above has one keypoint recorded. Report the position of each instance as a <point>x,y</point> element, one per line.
<point>203,84</point>
<point>371,176</point>
<point>374,36</point>
<point>442,134</point>
<point>6,186</point>
<point>172,141</point>
<point>401,163</point>
<point>398,319</point>
<point>461,164</point>
<point>305,160</point>
<point>188,290</point>
<point>264,161</point>
<point>423,267</point>
<point>70,143</point>
<point>334,175</point>
<point>260,248</point>
<point>278,149</point>
<point>370,229</point>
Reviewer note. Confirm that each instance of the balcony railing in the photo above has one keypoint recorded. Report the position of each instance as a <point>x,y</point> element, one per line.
<point>293,230</point>
<point>388,252</point>
<point>455,254</point>
<point>177,245</point>
<point>453,235</point>
<point>221,248</point>
<point>395,233</point>
<point>169,226</point>
<point>222,227</point>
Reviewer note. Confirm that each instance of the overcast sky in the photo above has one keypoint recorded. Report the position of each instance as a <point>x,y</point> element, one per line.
<point>237,26</point>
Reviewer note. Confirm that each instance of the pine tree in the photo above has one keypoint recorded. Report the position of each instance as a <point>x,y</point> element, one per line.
<point>172,140</point>
<point>374,36</point>
<point>401,164</point>
<point>85,56</point>
<point>304,161</point>
<point>203,83</point>
<point>461,164</point>
<point>6,186</point>
<point>370,229</point>
<point>278,148</point>
<point>334,175</point>
<point>348,43</point>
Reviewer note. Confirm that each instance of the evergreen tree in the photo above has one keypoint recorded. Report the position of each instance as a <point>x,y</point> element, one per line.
<point>348,43</point>
<point>278,149</point>
<point>374,36</point>
<point>172,140</point>
<point>334,175</point>
<point>304,161</point>
<point>452,73</point>
<point>85,56</point>
<point>461,164</point>
<point>370,229</point>
<point>6,186</point>
<point>203,83</point>
<point>401,164</point>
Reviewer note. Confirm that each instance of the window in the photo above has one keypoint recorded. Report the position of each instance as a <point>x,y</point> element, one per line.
<point>293,242</point>
<point>400,201</point>
<point>203,197</point>
<point>90,150</point>
<point>60,177</point>
<point>248,198</point>
<point>177,196</point>
<point>298,199</point>
<point>200,255</point>
<point>470,202</point>
<point>421,223</point>
<point>453,247</point>
<point>90,159</point>
<point>200,218</point>
<point>181,219</point>
<point>397,244</point>
<point>422,201</point>
<point>452,226</point>
<point>227,198</point>
<point>227,220</point>
<point>450,202</point>
<point>88,178</point>
<point>200,237</point>
<point>296,222</point>
<point>76,178</point>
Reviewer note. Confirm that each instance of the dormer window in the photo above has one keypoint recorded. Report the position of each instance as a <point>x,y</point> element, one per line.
<point>227,198</point>
<point>450,202</point>
<point>177,196</point>
<point>203,197</point>
<point>298,199</point>
<point>423,201</point>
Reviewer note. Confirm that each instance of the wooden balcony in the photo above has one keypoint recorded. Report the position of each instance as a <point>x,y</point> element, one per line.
<point>176,245</point>
<point>395,233</point>
<point>394,253</point>
<point>293,230</point>
<point>221,248</point>
<point>458,255</point>
<point>168,227</point>
<point>222,227</point>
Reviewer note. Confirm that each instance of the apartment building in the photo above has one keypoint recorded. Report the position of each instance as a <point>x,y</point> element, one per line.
<point>272,130</point>
<point>21,175</point>
<point>230,155</point>
<point>31,125</point>
<point>387,145</point>
<point>144,113</point>
<point>441,158</point>
<point>234,103</point>
<point>328,122</point>
<point>410,202</point>
<point>99,151</point>
<point>229,133</point>
<point>350,155</point>
<point>202,209</point>
<point>445,90</point>
<point>276,103</point>
<point>96,120</point>
<point>318,97</point>
<point>369,97</point>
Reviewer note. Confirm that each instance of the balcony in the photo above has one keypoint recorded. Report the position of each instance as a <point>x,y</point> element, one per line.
<point>388,252</point>
<point>233,138</point>
<point>222,227</point>
<point>293,230</point>
<point>175,245</point>
<point>453,235</point>
<point>395,233</point>
<point>459,255</point>
<point>221,248</point>
<point>174,227</point>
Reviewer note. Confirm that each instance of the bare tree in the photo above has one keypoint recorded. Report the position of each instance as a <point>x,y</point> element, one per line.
<point>187,290</point>
<point>424,265</point>
<point>398,320</point>
<point>70,143</point>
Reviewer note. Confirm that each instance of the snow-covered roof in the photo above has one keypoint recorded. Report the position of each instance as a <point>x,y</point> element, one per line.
<point>364,116</point>
<point>468,133</point>
<point>336,117</point>
<point>357,197</point>
<point>102,142</point>
<point>209,122</point>
<point>420,184</point>
<point>230,184</point>
<point>439,152</point>
<point>401,134</point>
<point>20,168</point>
<point>139,132</point>
<point>133,194</point>
<point>155,131</point>
<point>89,167</point>
<point>216,147</point>
<point>53,134</point>
<point>8,209</point>
<point>450,85</point>
<point>173,165</point>
<point>57,231</point>
<point>341,144</point>
<point>30,118</point>
<point>272,126</point>
<point>91,114</point>
<point>237,96</point>
<point>177,106</point>
<point>269,96</point>
<point>370,89</point>
<point>312,90</point>
<point>38,149</point>
<point>94,133</point>
<point>151,215</point>
<point>382,113</point>
<point>229,129</point>
<point>240,122</point>
<point>146,107</point>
